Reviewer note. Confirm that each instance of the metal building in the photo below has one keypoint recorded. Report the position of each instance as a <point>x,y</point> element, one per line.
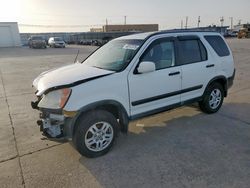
<point>9,34</point>
<point>131,28</point>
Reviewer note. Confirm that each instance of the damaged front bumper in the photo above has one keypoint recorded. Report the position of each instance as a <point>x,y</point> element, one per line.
<point>54,123</point>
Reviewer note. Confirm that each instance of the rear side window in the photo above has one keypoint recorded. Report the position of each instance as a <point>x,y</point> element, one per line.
<point>192,51</point>
<point>218,44</point>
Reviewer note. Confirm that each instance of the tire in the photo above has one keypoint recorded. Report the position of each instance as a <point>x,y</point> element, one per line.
<point>212,99</point>
<point>105,127</point>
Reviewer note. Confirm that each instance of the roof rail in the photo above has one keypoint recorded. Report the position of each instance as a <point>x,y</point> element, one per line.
<point>180,31</point>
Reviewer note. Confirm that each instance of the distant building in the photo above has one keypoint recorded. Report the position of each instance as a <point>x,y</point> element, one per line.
<point>131,28</point>
<point>100,36</point>
<point>9,34</point>
<point>96,30</point>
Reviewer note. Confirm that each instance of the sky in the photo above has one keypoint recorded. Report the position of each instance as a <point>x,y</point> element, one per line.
<point>81,15</point>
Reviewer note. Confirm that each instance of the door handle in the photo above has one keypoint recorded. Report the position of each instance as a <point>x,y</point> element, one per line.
<point>211,65</point>
<point>174,73</point>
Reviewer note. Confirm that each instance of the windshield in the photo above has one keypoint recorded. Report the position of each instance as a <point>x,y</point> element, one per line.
<point>115,55</point>
<point>57,39</point>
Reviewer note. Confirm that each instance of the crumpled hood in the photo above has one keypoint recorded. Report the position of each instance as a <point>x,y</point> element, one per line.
<point>66,75</point>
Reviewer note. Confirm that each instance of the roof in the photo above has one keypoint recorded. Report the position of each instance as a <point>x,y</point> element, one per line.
<point>142,36</point>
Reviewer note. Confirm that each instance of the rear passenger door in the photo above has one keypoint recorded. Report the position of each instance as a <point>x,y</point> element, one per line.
<point>197,70</point>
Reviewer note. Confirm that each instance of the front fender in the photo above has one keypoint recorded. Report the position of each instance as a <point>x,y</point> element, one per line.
<point>122,113</point>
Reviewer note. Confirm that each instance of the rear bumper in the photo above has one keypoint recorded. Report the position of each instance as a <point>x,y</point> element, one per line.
<point>230,80</point>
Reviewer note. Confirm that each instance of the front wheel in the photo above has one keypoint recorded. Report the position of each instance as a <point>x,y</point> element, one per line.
<point>213,99</point>
<point>95,133</point>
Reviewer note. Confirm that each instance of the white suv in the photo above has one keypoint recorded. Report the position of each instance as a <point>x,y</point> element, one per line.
<point>56,42</point>
<point>132,77</point>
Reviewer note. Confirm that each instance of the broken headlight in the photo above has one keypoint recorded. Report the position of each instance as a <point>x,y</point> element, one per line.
<point>55,99</point>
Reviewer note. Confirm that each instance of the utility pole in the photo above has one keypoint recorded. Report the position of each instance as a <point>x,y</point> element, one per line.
<point>232,20</point>
<point>181,24</point>
<point>186,25</point>
<point>199,21</point>
<point>106,21</point>
<point>239,23</point>
<point>125,20</point>
<point>222,21</point>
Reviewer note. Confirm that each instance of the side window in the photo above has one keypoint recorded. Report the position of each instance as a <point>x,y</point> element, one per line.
<point>161,52</point>
<point>192,51</point>
<point>203,51</point>
<point>218,45</point>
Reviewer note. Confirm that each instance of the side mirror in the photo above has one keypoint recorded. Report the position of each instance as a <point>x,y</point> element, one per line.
<point>146,66</point>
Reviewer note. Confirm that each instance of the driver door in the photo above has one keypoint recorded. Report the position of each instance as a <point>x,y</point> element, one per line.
<point>153,91</point>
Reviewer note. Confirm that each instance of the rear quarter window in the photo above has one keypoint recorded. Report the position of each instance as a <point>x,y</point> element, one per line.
<point>218,44</point>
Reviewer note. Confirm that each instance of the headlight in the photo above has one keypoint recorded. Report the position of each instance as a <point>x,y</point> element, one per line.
<point>55,99</point>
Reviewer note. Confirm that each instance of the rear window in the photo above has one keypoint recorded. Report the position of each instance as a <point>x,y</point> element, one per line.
<point>219,45</point>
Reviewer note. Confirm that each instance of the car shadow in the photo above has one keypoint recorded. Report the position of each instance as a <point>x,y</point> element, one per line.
<point>179,148</point>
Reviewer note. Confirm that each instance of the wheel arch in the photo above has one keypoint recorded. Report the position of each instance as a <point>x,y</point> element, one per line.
<point>112,106</point>
<point>221,80</point>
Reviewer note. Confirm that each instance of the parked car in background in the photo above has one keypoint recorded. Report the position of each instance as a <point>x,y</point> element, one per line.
<point>106,40</point>
<point>231,34</point>
<point>129,78</point>
<point>84,42</point>
<point>71,42</point>
<point>96,43</point>
<point>90,42</point>
<point>56,42</point>
<point>37,42</point>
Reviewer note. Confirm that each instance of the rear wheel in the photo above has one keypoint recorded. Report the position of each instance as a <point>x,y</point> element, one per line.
<point>95,133</point>
<point>213,98</point>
